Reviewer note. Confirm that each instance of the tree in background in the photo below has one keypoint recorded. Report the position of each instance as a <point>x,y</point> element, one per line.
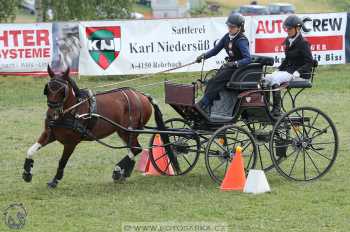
<point>66,10</point>
<point>8,10</point>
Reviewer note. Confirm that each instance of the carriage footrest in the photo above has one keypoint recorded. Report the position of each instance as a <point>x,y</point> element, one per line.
<point>220,118</point>
<point>297,120</point>
<point>242,85</point>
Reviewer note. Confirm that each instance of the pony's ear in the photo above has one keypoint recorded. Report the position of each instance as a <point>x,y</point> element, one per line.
<point>66,74</point>
<point>50,72</point>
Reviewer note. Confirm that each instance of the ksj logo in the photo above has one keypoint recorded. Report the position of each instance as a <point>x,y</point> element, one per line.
<point>103,44</point>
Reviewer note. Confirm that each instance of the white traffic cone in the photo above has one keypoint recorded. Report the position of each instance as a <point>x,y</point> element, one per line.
<point>256,182</point>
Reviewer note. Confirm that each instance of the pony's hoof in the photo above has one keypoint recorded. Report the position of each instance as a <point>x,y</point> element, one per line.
<point>52,184</point>
<point>118,176</point>
<point>27,177</point>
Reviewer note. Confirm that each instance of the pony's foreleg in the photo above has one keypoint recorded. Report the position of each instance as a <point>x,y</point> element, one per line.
<point>45,138</point>
<point>67,151</point>
<point>124,168</point>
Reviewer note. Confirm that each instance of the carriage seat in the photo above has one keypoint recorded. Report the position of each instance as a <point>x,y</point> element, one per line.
<point>301,83</point>
<point>246,77</point>
<point>220,118</point>
<point>264,60</point>
<point>298,83</point>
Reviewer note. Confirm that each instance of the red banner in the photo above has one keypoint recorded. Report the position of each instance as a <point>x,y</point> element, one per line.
<point>317,43</point>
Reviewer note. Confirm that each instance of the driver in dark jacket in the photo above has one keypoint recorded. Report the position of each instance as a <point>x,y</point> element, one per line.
<point>297,63</point>
<point>237,48</point>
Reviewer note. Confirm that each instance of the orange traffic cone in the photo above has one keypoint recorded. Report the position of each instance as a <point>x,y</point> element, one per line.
<point>162,160</point>
<point>235,176</point>
<point>143,163</point>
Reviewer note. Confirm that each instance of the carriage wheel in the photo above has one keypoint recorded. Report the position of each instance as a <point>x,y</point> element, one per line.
<point>261,132</point>
<point>307,141</point>
<point>185,148</point>
<point>221,147</point>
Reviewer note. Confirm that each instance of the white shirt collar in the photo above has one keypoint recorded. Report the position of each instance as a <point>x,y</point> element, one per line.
<point>291,40</point>
<point>232,36</point>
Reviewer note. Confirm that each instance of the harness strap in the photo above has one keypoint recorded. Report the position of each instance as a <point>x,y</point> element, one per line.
<point>130,119</point>
<point>129,107</point>
<point>139,106</point>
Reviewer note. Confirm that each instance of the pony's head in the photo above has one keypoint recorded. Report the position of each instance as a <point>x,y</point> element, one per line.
<point>57,91</point>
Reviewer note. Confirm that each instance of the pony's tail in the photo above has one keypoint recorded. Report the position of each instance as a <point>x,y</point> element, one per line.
<point>158,117</point>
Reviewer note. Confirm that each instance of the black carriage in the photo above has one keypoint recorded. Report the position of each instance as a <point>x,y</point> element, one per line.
<point>301,145</point>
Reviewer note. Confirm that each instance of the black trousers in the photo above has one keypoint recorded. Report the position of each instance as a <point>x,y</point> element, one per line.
<point>218,83</point>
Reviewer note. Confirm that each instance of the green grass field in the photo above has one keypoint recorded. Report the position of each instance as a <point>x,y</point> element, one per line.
<point>88,200</point>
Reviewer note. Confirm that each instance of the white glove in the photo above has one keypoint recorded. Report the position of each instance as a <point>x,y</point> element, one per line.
<point>296,74</point>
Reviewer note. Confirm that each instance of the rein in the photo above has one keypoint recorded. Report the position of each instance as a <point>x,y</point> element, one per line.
<point>76,105</point>
<point>144,76</point>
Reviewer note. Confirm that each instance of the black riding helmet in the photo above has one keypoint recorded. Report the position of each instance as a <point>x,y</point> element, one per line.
<point>292,21</point>
<point>235,19</point>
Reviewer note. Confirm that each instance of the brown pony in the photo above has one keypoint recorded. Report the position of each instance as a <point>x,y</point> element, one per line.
<point>124,106</point>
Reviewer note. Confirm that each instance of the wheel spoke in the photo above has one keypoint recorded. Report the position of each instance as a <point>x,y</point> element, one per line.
<point>250,159</point>
<point>226,167</point>
<point>295,160</point>
<point>189,164</point>
<point>312,161</point>
<point>267,148</point>
<point>259,152</point>
<point>238,141</point>
<point>222,148</point>
<point>290,154</point>
<point>245,147</point>
<point>323,143</point>
<point>320,132</point>
<point>222,162</point>
<point>303,119</point>
<point>314,150</point>
<point>168,165</point>
<point>313,123</point>
<point>159,157</point>
<point>304,164</point>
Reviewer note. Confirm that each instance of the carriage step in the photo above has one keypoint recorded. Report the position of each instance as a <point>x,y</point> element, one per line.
<point>297,120</point>
<point>220,118</point>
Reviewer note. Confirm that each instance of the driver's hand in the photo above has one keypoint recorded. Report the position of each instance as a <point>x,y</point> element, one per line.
<point>200,58</point>
<point>199,85</point>
<point>296,74</point>
<point>232,64</point>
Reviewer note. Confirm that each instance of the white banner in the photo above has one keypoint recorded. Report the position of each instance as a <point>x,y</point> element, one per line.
<point>25,47</point>
<point>325,33</point>
<point>149,46</point>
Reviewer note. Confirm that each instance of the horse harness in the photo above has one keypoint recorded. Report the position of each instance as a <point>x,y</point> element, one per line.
<point>72,121</point>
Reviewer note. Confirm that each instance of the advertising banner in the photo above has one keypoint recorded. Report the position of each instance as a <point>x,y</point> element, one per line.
<point>25,48</point>
<point>324,32</point>
<point>148,46</point>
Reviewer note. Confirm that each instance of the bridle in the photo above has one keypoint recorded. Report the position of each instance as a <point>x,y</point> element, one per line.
<point>57,107</point>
